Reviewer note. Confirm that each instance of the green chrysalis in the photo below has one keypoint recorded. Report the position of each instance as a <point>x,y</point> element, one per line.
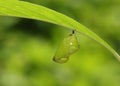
<point>69,46</point>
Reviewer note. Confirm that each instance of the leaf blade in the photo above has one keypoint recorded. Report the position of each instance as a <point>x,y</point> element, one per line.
<point>29,10</point>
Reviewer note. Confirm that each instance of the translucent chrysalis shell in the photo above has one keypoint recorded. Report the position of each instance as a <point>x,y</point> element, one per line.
<point>69,46</point>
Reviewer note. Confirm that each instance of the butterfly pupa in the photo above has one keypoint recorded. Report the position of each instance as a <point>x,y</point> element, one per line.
<point>69,46</point>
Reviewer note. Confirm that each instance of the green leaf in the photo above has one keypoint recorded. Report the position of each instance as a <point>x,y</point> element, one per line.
<point>32,11</point>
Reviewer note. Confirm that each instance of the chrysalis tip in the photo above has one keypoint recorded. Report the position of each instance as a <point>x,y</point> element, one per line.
<point>61,60</point>
<point>73,32</point>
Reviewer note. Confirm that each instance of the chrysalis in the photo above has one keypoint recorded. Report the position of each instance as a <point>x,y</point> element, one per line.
<point>69,46</point>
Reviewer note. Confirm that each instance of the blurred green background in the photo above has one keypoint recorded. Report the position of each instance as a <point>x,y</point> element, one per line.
<point>28,46</point>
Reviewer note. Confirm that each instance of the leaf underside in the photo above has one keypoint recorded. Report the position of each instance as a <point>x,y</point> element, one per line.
<point>23,9</point>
